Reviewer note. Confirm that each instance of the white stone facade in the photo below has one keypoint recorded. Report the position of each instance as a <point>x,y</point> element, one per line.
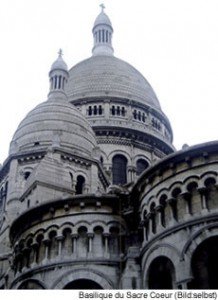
<point>93,194</point>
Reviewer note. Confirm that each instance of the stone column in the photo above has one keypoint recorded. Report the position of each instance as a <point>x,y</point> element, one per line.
<point>173,211</point>
<point>46,243</point>
<point>131,170</point>
<point>59,239</point>
<point>85,188</point>
<point>74,237</point>
<point>186,199</point>
<point>129,111</point>
<point>26,255</point>
<point>106,246</point>
<point>19,263</point>
<point>149,224</point>
<point>90,239</point>
<point>203,193</point>
<point>83,109</point>
<point>73,186</point>
<point>146,229</point>
<point>143,226</point>
<point>158,211</point>
<point>35,247</point>
<point>107,108</point>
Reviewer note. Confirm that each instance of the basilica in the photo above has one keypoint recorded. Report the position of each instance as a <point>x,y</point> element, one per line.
<point>93,194</point>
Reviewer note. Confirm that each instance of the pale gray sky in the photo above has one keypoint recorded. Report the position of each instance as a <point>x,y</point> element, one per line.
<point>173,43</point>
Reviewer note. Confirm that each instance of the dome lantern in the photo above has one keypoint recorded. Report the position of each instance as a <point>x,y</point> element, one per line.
<point>102,34</point>
<point>58,75</point>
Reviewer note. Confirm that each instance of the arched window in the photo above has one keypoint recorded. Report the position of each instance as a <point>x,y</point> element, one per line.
<point>119,166</point>
<point>113,110</point>
<point>95,110</point>
<point>82,242</point>
<point>118,110</point>
<point>80,184</point>
<point>90,111</point>
<point>26,175</point>
<point>100,110</point>
<point>141,165</point>
<point>143,117</point>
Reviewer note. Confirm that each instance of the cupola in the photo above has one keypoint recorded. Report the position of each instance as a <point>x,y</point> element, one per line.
<point>102,34</point>
<point>58,76</point>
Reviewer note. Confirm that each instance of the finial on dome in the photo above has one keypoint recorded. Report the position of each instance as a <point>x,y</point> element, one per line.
<point>102,34</point>
<point>59,63</point>
<point>60,52</point>
<point>102,7</point>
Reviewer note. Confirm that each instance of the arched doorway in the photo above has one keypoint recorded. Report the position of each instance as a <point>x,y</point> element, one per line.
<point>161,273</point>
<point>83,284</point>
<point>204,265</point>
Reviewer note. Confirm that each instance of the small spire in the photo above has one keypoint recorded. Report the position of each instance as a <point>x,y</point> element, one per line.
<point>102,34</point>
<point>60,52</point>
<point>58,76</point>
<point>102,7</point>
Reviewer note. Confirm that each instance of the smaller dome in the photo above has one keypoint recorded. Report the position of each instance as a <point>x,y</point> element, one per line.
<point>102,19</point>
<point>55,122</point>
<point>59,64</point>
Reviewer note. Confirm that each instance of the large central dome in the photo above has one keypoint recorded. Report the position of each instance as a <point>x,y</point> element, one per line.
<point>116,98</point>
<point>107,75</point>
<point>104,75</point>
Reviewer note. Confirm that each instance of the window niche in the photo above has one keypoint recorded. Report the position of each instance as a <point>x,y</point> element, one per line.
<point>119,169</point>
<point>80,185</point>
<point>141,165</point>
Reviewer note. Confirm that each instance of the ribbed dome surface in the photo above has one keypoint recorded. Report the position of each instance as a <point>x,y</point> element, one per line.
<point>59,64</point>
<point>100,76</point>
<point>102,18</point>
<point>54,122</point>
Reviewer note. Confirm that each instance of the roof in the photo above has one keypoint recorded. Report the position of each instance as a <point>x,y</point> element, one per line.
<point>107,75</point>
<point>54,123</point>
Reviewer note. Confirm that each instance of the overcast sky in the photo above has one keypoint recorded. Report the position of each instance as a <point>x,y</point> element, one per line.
<point>173,43</point>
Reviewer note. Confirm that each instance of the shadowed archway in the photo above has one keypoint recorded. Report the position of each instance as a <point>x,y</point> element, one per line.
<point>83,284</point>
<point>204,265</point>
<point>161,273</point>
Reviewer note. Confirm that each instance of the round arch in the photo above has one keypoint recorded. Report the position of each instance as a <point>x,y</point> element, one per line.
<point>204,265</point>
<point>31,284</point>
<point>170,252</point>
<point>197,238</point>
<point>87,275</point>
<point>161,273</point>
<point>82,284</point>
